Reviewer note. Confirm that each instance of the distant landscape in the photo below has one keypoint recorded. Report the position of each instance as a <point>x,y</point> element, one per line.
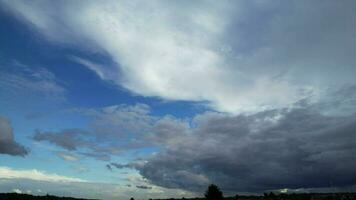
<point>302,196</point>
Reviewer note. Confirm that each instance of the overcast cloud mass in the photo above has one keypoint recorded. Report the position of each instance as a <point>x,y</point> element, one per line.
<point>163,98</point>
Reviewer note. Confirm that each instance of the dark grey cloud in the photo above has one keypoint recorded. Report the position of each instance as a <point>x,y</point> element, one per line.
<point>120,166</point>
<point>69,139</point>
<point>108,167</point>
<point>143,187</point>
<point>83,142</point>
<point>134,164</point>
<point>299,147</point>
<point>7,143</point>
<point>111,131</point>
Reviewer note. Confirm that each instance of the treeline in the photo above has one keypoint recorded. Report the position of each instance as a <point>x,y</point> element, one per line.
<point>298,196</point>
<point>214,193</point>
<point>16,196</point>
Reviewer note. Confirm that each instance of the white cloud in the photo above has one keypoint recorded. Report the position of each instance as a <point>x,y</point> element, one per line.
<point>93,190</point>
<point>33,174</point>
<point>18,191</point>
<point>67,156</point>
<point>238,56</point>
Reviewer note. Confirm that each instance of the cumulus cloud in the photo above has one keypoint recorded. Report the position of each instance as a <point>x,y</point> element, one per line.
<point>7,143</point>
<point>291,148</point>
<point>280,148</point>
<point>241,56</point>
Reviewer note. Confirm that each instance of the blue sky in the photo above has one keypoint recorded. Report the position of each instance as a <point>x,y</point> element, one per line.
<point>159,99</point>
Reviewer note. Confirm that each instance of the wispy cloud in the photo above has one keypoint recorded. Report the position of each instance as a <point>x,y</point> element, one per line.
<point>241,56</point>
<point>33,174</point>
<point>18,79</point>
<point>68,156</point>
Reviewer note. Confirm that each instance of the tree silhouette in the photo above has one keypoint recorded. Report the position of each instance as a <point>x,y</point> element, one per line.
<point>213,193</point>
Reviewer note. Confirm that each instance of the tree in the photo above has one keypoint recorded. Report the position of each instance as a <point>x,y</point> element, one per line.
<point>237,197</point>
<point>213,193</point>
<point>272,195</point>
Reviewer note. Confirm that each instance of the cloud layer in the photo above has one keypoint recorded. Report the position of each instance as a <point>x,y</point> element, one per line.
<point>237,56</point>
<point>9,173</point>
<point>7,143</point>
<point>292,147</point>
<point>41,183</point>
<point>298,148</point>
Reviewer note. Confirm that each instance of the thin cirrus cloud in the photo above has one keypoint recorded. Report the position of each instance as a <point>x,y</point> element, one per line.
<point>19,80</point>
<point>223,53</point>
<point>67,156</point>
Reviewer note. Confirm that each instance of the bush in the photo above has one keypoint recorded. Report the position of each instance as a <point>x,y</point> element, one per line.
<point>213,193</point>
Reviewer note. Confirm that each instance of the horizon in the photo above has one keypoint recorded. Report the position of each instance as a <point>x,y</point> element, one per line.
<point>159,99</point>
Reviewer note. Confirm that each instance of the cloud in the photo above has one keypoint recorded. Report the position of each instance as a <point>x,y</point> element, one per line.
<point>274,149</point>
<point>9,173</point>
<point>18,79</point>
<point>83,142</point>
<point>69,139</point>
<point>102,71</point>
<point>68,156</point>
<point>7,143</point>
<point>18,191</point>
<point>108,167</point>
<point>111,130</point>
<point>80,189</point>
<point>143,187</point>
<point>241,56</point>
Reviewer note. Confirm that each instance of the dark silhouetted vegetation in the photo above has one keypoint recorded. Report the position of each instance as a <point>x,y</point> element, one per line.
<point>213,193</point>
<point>16,196</point>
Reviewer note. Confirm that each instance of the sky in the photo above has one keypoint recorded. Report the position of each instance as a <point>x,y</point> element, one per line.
<point>159,99</point>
